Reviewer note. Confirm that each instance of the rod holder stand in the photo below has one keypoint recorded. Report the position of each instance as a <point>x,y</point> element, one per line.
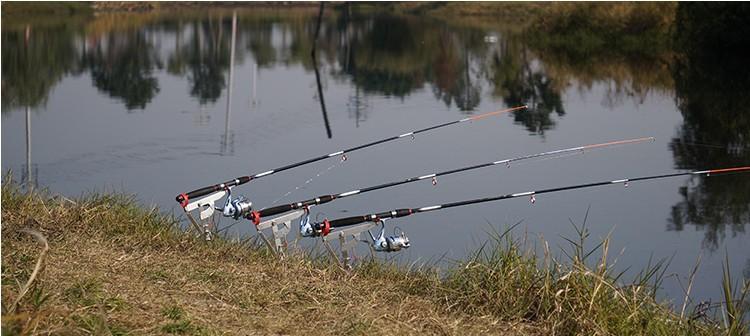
<point>280,227</point>
<point>205,207</point>
<point>347,238</point>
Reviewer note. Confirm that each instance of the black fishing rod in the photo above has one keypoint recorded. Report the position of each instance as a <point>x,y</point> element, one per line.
<point>184,198</point>
<point>396,243</point>
<point>235,209</point>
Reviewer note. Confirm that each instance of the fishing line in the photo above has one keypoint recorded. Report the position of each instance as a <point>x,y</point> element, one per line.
<point>184,198</point>
<point>326,226</point>
<point>734,149</point>
<point>255,216</point>
<point>320,173</point>
<point>542,159</point>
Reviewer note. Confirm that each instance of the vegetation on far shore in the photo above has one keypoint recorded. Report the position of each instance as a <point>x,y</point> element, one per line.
<point>114,267</point>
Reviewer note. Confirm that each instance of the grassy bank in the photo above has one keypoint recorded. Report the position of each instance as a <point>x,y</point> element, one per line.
<point>115,268</point>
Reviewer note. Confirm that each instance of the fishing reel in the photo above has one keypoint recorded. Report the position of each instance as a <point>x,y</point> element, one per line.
<point>393,243</point>
<point>380,243</point>
<point>236,208</point>
<point>308,229</point>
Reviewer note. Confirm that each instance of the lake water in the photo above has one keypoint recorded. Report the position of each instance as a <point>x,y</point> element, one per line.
<point>139,103</point>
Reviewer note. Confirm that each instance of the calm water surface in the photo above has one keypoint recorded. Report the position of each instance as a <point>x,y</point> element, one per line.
<point>140,104</point>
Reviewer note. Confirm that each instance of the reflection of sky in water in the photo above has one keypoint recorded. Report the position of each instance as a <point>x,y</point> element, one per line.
<point>85,140</point>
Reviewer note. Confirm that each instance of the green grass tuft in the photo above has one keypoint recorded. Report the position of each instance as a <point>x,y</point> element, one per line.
<point>173,313</point>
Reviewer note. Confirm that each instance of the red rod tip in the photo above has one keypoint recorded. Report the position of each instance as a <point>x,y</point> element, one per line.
<point>729,170</point>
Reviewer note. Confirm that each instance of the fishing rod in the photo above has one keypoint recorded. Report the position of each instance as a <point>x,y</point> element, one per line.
<point>239,208</point>
<point>184,198</point>
<point>234,208</point>
<point>399,241</point>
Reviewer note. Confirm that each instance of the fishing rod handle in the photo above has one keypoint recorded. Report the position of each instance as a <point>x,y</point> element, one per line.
<point>370,218</point>
<point>294,206</point>
<point>183,199</point>
<point>349,221</point>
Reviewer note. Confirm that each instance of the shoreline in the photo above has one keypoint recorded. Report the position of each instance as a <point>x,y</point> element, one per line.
<point>115,266</point>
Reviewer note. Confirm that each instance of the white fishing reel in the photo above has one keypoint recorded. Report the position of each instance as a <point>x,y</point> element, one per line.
<point>305,227</point>
<point>311,229</point>
<point>380,243</point>
<point>237,208</point>
<point>394,243</point>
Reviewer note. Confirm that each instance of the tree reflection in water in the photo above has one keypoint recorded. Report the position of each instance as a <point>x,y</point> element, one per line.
<point>34,61</point>
<point>208,59</point>
<point>711,85</point>
<point>386,57</point>
<point>122,65</point>
<point>520,82</point>
<point>457,68</point>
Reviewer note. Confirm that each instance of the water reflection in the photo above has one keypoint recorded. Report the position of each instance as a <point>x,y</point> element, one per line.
<point>123,65</point>
<point>378,55</point>
<point>389,56</point>
<point>259,42</point>
<point>385,56</point>
<point>207,58</point>
<point>456,79</point>
<point>34,61</point>
<point>520,82</point>
<point>711,85</point>
<point>227,141</point>
<point>31,171</point>
<point>396,56</point>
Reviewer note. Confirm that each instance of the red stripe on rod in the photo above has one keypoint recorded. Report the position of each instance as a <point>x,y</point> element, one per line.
<point>727,170</point>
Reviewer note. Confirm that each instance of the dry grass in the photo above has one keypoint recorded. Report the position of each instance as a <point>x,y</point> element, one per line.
<point>116,268</point>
